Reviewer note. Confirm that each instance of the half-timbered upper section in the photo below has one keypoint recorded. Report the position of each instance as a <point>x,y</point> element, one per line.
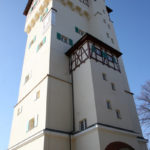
<point>89,47</point>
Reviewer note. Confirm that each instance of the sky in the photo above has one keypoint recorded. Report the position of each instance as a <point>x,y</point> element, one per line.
<point>131,21</point>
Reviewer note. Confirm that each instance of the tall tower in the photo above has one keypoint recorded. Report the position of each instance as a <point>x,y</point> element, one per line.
<point>74,94</point>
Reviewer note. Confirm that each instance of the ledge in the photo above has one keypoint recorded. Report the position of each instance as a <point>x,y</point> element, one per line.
<point>128,92</point>
<point>109,10</point>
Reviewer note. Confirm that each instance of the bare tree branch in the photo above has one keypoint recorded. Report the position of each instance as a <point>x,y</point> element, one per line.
<point>143,105</point>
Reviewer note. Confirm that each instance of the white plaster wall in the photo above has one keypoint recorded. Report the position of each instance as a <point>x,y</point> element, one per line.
<point>84,95</point>
<point>59,105</point>
<point>55,104</point>
<point>59,64</point>
<point>97,27</point>
<point>86,141</point>
<point>37,144</point>
<point>30,108</point>
<point>56,142</point>
<point>36,64</point>
<point>118,98</point>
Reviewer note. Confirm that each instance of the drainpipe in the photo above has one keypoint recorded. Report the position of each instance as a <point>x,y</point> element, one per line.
<point>73,110</point>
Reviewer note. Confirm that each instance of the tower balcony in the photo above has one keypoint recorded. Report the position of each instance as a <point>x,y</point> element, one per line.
<point>89,47</point>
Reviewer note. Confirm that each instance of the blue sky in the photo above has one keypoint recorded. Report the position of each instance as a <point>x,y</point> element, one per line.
<point>131,21</point>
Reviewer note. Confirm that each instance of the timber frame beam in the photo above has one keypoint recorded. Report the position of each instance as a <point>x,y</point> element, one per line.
<point>89,47</point>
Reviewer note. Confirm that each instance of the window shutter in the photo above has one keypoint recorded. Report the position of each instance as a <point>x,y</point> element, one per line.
<point>40,18</point>
<point>113,59</point>
<point>76,29</point>
<point>93,48</point>
<point>70,42</point>
<point>27,127</point>
<point>44,40</point>
<point>46,10</point>
<point>58,36</point>
<point>34,38</point>
<point>104,54</point>
<point>37,48</point>
<point>36,121</point>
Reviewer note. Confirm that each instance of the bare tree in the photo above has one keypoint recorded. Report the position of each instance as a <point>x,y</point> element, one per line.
<point>143,106</point>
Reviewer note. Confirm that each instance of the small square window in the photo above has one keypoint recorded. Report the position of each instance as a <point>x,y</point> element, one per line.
<point>19,111</point>
<point>109,26</point>
<point>104,20</point>
<point>118,114</point>
<point>37,95</point>
<point>108,104</point>
<point>26,79</point>
<point>107,35</point>
<point>113,87</point>
<point>64,39</point>
<point>31,124</point>
<point>112,40</point>
<point>104,76</point>
<point>83,125</point>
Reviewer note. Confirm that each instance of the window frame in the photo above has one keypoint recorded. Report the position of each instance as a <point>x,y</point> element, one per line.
<point>118,114</point>
<point>108,103</point>
<point>83,124</point>
<point>104,76</point>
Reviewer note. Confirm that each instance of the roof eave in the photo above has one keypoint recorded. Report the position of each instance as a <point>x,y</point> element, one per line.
<point>26,10</point>
<point>88,37</point>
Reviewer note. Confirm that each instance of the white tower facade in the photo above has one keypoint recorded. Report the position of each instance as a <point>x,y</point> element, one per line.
<point>74,94</point>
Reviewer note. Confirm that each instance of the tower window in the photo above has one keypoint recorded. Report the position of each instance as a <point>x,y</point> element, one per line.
<point>108,104</point>
<point>64,39</point>
<point>32,123</point>
<point>33,40</point>
<point>83,124</point>
<point>107,35</point>
<point>113,87</point>
<point>112,40</point>
<point>104,76</point>
<point>33,6</point>
<point>41,43</point>
<point>26,78</point>
<point>19,111</point>
<point>118,114</point>
<point>104,20</point>
<point>37,95</point>
<point>44,14</point>
<point>109,26</point>
<point>79,31</point>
